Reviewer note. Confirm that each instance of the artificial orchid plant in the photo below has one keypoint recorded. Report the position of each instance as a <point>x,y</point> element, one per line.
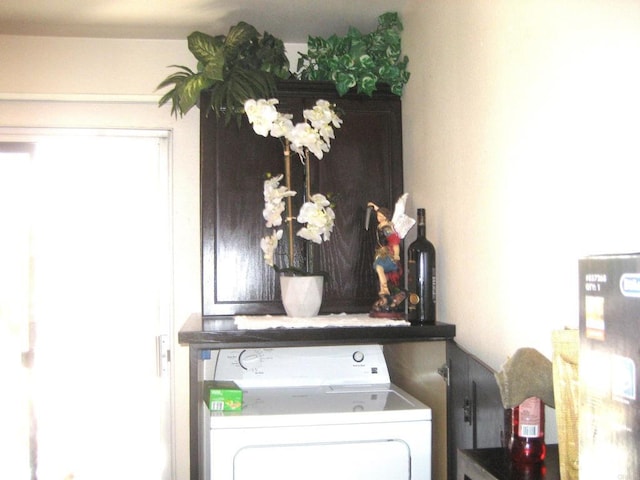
<point>313,136</point>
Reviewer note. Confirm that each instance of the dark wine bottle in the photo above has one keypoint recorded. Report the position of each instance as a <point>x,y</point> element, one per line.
<point>421,276</point>
<point>527,432</point>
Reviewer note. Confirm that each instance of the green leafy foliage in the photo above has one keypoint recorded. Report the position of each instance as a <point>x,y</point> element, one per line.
<point>241,65</point>
<point>357,60</point>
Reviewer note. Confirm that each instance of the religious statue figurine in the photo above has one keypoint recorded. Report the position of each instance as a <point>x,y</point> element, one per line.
<point>390,231</point>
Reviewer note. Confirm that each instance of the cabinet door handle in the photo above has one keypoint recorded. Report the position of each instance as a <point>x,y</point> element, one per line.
<point>466,409</point>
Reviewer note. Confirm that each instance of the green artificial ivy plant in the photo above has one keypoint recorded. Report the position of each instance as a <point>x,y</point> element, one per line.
<point>241,65</point>
<point>358,60</point>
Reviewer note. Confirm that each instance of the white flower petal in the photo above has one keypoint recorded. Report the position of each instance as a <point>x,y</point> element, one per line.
<point>269,244</point>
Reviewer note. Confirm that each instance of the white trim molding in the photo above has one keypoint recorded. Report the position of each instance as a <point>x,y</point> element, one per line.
<point>80,97</point>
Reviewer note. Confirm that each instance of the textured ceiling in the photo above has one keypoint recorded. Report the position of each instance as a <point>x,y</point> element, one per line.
<point>291,20</point>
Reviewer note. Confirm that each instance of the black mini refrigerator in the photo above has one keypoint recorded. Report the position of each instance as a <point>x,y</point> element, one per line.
<point>609,414</point>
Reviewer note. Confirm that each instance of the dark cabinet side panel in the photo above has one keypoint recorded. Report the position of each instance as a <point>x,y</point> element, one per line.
<point>488,409</point>
<point>475,414</point>
<point>459,422</point>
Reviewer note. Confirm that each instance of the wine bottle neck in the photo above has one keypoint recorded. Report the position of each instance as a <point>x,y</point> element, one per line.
<point>422,227</point>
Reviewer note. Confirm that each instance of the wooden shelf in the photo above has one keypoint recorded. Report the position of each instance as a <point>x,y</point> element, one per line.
<point>222,333</point>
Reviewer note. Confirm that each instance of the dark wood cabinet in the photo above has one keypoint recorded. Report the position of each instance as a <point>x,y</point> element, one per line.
<point>474,405</point>
<point>364,164</point>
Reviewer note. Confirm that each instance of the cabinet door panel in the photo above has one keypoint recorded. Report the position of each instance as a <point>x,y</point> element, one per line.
<point>234,162</point>
<point>364,164</point>
<point>357,170</point>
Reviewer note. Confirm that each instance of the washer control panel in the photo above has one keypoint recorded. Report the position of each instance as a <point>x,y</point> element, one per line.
<point>303,366</point>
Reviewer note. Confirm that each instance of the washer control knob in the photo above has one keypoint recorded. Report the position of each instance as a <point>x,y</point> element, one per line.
<point>249,359</point>
<point>358,356</point>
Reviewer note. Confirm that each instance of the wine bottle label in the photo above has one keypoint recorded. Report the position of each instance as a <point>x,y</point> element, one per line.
<point>433,284</point>
<point>529,418</point>
<point>414,298</point>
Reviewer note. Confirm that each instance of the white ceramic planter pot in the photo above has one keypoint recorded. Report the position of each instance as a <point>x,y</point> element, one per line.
<point>301,296</point>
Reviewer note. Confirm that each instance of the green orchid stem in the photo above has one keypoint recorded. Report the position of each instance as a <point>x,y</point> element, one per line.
<point>307,173</point>
<point>307,181</point>
<point>287,178</point>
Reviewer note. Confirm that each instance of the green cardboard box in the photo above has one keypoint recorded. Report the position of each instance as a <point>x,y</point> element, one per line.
<point>222,396</point>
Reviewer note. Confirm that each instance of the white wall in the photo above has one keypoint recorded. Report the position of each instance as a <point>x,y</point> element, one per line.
<point>521,141</point>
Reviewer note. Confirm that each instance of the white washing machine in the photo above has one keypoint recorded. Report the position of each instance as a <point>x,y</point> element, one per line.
<point>315,413</point>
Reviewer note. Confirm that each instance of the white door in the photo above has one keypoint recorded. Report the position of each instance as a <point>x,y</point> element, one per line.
<point>86,258</point>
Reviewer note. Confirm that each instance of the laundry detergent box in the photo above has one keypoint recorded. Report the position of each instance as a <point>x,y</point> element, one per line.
<point>222,396</point>
<point>609,371</point>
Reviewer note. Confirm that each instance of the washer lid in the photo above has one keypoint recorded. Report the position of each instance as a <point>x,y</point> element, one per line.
<point>323,405</point>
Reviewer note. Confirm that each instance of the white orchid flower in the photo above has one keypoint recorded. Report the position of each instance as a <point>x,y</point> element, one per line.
<point>323,119</point>
<point>272,214</point>
<point>269,244</point>
<point>274,192</point>
<point>319,219</point>
<point>261,114</point>
<point>317,116</point>
<point>313,135</point>
<point>304,136</point>
<point>282,125</point>
<point>274,195</point>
